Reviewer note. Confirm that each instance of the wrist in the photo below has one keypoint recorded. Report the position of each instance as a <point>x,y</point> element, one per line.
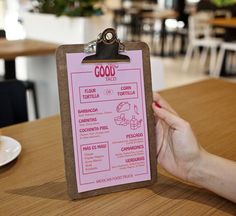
<point>198,172</point>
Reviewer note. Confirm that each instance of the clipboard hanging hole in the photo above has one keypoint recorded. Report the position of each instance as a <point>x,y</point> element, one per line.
<point>109,35</point>
<point>108,47</point>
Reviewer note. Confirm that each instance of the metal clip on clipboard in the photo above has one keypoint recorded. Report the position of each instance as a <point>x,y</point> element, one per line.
<point>107,48</point>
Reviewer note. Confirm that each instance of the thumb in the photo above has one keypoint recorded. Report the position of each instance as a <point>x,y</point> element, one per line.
<point>169,118</point>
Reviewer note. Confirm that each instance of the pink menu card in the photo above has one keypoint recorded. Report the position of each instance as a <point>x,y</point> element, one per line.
<point>109,123</point>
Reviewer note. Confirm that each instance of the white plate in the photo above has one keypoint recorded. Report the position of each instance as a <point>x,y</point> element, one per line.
<point>9,149</point>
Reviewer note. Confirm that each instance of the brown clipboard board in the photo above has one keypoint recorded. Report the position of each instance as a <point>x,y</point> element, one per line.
<point>66,123</point>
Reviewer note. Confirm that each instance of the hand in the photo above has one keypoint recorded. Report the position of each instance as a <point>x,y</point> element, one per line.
<point>177,148</point>
<point>180,154</point>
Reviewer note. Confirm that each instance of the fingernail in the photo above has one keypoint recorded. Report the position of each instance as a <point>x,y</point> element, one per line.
<point>157,105</point>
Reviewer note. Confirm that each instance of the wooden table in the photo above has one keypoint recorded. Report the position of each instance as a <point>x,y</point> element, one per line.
<point>35,185</point>
<point>229,24</point>
<point>161,15</point>
<point>223,22</point>
<point>10,49</point>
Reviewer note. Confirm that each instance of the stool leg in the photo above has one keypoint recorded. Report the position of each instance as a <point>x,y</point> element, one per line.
<point>220,60</point>
<point>203,57</point>
<point>212,60</point>
<point>187,58</point>
<point>182,44</point>
<point>173,44</point>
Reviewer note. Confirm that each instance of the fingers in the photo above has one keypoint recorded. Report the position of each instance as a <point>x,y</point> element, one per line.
<point>160,135</point>
<point>161,129</point>
<point>163,103</point>
<point>171,119</point>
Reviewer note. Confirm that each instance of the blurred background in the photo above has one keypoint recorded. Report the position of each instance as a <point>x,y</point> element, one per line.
<point>189,40</point>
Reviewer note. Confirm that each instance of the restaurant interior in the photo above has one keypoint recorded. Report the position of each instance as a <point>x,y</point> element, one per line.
<point>192,45</point>
<point>185,44</point>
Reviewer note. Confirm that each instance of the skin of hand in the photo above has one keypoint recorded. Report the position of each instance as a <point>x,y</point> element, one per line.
<point>177,148</point>
<point>180,154</point>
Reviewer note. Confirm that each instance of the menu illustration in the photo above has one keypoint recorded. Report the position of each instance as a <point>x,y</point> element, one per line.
<point>109,123</point>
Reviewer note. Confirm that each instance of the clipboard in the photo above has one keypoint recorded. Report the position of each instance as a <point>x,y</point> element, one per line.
<point>107,122</point>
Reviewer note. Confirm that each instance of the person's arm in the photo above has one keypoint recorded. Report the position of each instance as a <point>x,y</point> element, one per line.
<point>216,174</point>
<point>180,154</point>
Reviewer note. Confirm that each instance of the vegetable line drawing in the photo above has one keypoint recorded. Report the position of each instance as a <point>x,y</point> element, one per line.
<point>136,109</point>
<point>121,120</point>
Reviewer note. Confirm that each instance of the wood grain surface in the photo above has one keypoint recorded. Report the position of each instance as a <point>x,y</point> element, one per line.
<point>34,184</point>
<point>10,49</point>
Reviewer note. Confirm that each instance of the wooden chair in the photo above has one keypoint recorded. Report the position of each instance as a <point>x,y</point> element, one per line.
<point>200,36</point>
